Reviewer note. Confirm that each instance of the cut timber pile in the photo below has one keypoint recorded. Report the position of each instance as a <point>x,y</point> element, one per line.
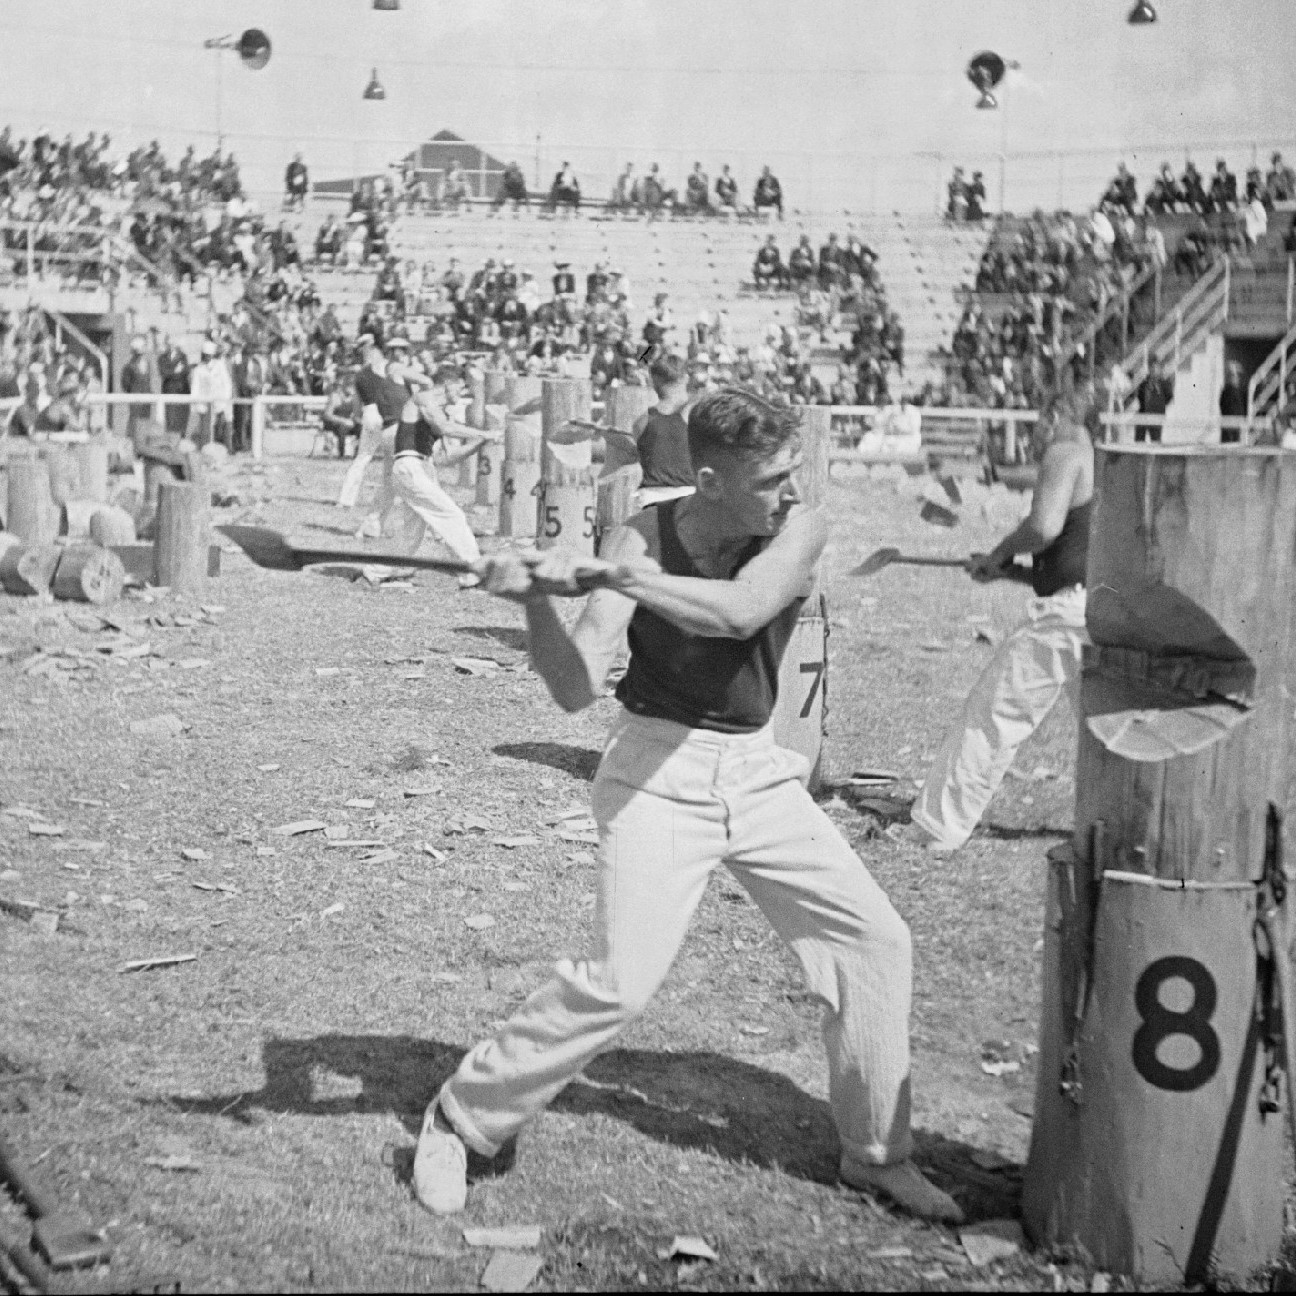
<point>88,573</point>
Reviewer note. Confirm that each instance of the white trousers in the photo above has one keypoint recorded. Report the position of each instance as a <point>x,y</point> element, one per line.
<point>372,442</point>
<point>410,488</point>
<point>671,804</point>
<point>1017,689</point>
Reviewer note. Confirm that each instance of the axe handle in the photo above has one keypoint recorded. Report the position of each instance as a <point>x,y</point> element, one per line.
<point>931,562</point>
<point>13,1173</point>
<point>1282,971</point>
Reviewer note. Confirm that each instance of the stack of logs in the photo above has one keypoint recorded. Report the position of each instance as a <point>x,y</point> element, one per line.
<point>68,535</point>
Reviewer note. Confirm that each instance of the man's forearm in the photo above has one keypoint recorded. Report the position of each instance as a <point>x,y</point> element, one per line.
<point>556,659</point>
<point>709,608</point>
<point>1025,538</point>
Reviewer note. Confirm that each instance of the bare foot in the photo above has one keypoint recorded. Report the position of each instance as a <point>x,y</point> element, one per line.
<point>906,1186</point>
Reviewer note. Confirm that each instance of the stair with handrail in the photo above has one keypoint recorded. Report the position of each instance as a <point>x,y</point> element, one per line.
<point>1183,330</point>
<point>1268,393</point>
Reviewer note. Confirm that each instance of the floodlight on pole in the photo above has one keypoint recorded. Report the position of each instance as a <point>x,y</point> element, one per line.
<point>253,48</point>
<point>374,90</point>
<point>1142,14</point>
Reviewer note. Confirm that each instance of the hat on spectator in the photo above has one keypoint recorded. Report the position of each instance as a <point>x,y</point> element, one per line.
<point>562,265</point>
<point>396,340</point>
<point>209,348</point>
<point>137,343</point>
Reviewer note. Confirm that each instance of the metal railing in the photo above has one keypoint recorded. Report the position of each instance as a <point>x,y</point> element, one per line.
<point>1267,392</point>
<point>1123,428</point>
<point>1118,306</point>
<point>1182,331</point>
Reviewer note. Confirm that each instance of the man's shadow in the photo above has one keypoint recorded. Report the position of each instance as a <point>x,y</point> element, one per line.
<point>701,1100</point>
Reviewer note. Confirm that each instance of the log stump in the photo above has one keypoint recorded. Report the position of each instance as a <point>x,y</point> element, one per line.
<point>112,526</point>
<point>616,497</point>
<point>64,473</point>
<point>92,469</point>
<point>1157,1148</point>
<point>76,515</point>
<point>183,537</point>
<point>32,514</point>
<point>568,500</point>
<point>89,574</point>
<point>625,405</point>
<point>565,447</point>
<point>27,568</point>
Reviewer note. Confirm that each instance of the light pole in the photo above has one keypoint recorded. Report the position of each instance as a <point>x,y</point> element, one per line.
<point>987,70</point>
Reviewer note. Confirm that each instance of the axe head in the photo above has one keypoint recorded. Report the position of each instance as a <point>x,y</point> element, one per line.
<point>874,563</point>
<point>265,547</point>
<point>938,514</point>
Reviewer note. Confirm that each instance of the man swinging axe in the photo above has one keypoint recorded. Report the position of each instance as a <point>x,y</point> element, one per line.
<point>1040,660</point>
<point>709,587</point>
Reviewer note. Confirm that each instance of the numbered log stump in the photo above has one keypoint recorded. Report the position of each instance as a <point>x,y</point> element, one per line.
<point>522,396</point>
<point>183,537</point>
<point>32,514</point>
<point>800,717</point>
<point>520,478</point>
<point>568,501</point>
<point>490,468</point>
<point>566,447</point>
<point>616,497</point>
<point>1153,1152</point>
<point>89,574</point>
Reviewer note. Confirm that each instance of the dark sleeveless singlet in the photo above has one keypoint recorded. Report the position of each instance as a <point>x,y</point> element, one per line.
<point>1064,562</point>
<point>728,685</point>
<point>663,450</point>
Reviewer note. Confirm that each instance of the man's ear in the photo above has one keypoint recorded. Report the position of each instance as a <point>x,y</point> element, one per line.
<point>708,482</point>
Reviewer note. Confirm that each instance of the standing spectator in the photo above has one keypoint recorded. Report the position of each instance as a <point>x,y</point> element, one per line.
<point>173,377</point>
<point>296,184</point>
<point>454,188</point>
<point>1233,400</point>
<point>512,189</point>
<point>956,197</point>
<point>976,196</point>
<point>697,191</point>
<point>1155,393</point>
<point>251,376</point>
<point>137,377</point>
<point>726,188</point>
<point>213,388</point>
<point>768,193</point>
<point>341,413</point>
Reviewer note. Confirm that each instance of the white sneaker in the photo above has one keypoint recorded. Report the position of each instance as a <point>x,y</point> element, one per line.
<point>440,1168</point>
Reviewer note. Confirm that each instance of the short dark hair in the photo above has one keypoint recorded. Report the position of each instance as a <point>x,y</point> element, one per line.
<point>667,370</point>
<point>739,422</point>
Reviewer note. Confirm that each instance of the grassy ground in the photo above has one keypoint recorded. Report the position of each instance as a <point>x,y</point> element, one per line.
<point>287,1066</point>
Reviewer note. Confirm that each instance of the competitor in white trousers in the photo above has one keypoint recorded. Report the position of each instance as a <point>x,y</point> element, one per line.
<point>709,587</point>
<point>1035,664</point>
<point>413,488</point>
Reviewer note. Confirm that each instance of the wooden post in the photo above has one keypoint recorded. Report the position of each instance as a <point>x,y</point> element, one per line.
<point>89,573</point>
<point>561,400</point>
<point>183,535</point>
<point>1157,1150</point>
<point>92,466</point>
<point>624,406</point>
<point>800,716</point>
<point>32,515</point>
<point>616,492</point>
<point>64,475</point>
<point>490,464</point>
<point>520,478</point>
<point>110,525</point>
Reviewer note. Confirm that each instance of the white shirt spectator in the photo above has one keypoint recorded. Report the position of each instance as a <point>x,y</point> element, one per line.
<point>1102,229</point>
<point>1255,221</point>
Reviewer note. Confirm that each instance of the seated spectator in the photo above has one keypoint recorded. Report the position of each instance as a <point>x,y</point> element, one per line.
<point>801,264</point>
<point>565,190</point>
<point>454,189</point>
<point>1123,190</point>
<point>655,197</point>
<point>697,191</point>
<point>388,286</point>
<point>768,193</point>
<point>1255,221</point>
<point>1280,181</point>
<point>623,191</point>
<point>726,189</point>
<point>452,282</point>
<point>512,188</point>
<point>956,197</point>
<point>1164,194</point>
<point>296,184</point>
<point>1193,191</point>
<point>564,282</point>
<point>832,269</point>
<point>659,323</point>
<point>768,267</point>
<point>1223,190</point>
